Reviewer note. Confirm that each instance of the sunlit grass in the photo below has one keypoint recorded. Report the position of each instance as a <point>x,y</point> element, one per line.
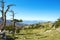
<point>38,34</point>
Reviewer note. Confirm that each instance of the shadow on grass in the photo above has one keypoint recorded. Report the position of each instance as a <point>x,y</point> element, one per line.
<point>44,36</point>
<point>9,38</point>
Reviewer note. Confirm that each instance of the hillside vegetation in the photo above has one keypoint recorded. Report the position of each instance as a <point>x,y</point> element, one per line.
<point>38,31</point>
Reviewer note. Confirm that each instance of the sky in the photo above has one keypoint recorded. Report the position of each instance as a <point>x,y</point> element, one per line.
<point>34,9</point>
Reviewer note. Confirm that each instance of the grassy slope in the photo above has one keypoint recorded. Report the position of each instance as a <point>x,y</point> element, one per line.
<point>38,34</point>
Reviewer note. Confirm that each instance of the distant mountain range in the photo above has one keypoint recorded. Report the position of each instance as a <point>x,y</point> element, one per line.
<point>32,21</point>
<point>24,22</point>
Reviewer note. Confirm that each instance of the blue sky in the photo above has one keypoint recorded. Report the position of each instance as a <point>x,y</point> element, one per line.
<point>35,9</point>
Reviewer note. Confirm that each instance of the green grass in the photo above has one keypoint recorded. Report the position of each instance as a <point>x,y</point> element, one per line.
<point>38,34</point>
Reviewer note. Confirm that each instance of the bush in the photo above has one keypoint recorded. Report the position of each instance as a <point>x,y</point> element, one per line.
<point>18,30</point>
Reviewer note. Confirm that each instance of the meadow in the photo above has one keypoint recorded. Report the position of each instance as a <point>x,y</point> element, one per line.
<point>38,34</point>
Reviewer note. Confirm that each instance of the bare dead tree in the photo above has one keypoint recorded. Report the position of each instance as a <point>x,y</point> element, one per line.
<point>14,21</point>
<point>13,14</point>
<point>4,12</point>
